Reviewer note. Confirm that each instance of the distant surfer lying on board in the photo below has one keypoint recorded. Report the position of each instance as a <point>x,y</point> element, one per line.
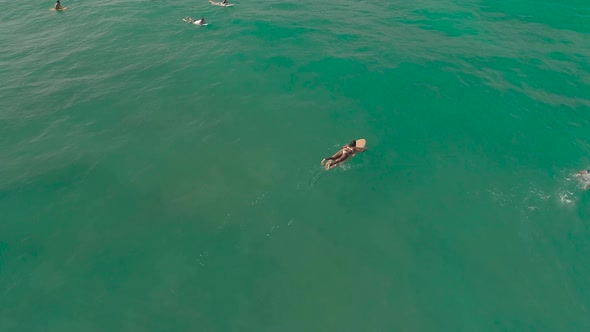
<point>346,152</point>
<point>224,3</point>
<point>189,19</point>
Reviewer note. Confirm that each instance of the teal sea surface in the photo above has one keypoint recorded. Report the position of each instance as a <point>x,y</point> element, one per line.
<point>162,176</point>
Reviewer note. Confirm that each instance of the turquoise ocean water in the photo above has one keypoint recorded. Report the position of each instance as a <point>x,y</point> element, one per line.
<point>159,176</point>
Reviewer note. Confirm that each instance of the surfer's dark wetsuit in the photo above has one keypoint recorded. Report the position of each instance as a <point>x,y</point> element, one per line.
<point>346,152</point>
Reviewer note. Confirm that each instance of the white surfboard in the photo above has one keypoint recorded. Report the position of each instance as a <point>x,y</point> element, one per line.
<point>57,10</point>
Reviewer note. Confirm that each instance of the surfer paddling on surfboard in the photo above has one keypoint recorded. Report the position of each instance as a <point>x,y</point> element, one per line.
<point>58,6</point>
<point>189,19</point>
<point>346,152</point>
<point>224,3</point>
